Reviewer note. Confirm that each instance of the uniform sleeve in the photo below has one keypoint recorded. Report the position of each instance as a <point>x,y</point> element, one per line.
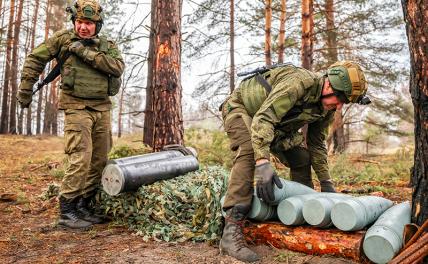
<point>316,136</point>
<point>35,62</point>
<point>110,63</point>
<point>286,91</point>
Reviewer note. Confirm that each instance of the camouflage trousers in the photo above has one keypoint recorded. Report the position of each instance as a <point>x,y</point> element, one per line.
<point>237,124</point>
<point>88,139</point>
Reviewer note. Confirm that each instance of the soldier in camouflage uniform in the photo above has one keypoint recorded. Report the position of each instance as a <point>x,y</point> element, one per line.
<point>264,116</point>
<point>88,77</point>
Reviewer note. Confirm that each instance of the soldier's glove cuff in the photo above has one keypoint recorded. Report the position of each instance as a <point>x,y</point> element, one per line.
<point>265,177</point>
<point>24,98</point>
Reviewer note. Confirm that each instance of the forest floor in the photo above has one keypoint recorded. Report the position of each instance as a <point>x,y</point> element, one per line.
<point>28,231</point>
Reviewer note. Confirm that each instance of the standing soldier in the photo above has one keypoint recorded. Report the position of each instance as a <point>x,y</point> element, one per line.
<point>90,73</point>
<point>264,115</point>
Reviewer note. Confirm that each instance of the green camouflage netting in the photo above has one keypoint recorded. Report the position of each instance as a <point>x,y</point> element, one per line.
<point>180,209</point>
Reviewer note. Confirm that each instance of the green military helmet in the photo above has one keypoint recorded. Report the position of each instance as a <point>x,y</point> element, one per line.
<point>348,77</point>
<point>87,9</point>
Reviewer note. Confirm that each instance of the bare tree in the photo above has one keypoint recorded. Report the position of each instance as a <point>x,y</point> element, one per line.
<point>14,69</point>
<point>165,124</point>
<point>281,37</point>
<point>337,136</point>
<point>33,37</point>
<point>232,46</point>
<point>307,33</point>
<point>40,99</point>
<point>416,20</point>
<point>268,29</point>
<point>4,122</point>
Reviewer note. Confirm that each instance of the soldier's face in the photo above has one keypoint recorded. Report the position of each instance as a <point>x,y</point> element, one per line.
<point>330,102</point>
<point>85,28</point>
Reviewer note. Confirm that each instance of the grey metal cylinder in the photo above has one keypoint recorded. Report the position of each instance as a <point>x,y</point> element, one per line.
<point>385,238</point>
<point>358,212</point>
<point>147,157</point>
<point>316,211</point>
<point>118,178</point>
<point>289,189</point>
<point>261,211</point>
<point>290,210</point>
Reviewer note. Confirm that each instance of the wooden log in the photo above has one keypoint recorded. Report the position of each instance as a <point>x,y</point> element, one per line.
<point>308,240</point>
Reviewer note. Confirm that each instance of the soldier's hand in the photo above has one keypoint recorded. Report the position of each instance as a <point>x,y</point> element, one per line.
<point>77,48</point>
<point>24,98</point>
<point>265,177</point>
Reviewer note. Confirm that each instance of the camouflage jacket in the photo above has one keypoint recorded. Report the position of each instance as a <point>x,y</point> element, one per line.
<point>106,63</point>
<point>277,117</point>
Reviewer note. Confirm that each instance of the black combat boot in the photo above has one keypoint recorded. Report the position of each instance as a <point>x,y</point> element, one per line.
<point>86,213</point>
<point>69,216</point>
<point>233,242</point>
<point>327,186</point>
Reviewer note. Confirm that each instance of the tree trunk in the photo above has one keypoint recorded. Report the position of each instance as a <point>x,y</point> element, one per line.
<point>308,239</point>
<point>268,28</point>
<point>58,8</point>
<point>4,119</point>
<point>14,70</point>
<point>40,102</point>
<point>47,119</point>
<point>281,37</point>
<point>232,46</point>
<point>148,113</point>
<point>119,119</point>
<point>416,19</point>
<point>338,134</point>
<point>307,33</point>
<point>307,41</point>
<point>165,87</point>
<point>33,37</point>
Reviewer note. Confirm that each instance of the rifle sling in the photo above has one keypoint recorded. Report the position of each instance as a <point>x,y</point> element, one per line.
<point>55,72</point>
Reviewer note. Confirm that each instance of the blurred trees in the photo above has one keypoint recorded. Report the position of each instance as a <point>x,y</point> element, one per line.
<point>368,32</point>
<point>218,41</point>
<point>24,25</point>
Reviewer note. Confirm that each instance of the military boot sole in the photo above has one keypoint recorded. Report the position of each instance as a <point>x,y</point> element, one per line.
<point>93,219</point>
<point>250,258</point>
<point>73,225</point>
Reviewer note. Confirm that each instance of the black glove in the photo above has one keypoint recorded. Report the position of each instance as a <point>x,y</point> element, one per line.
<point>265,177</point>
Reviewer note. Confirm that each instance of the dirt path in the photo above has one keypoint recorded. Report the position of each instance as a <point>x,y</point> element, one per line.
<point>28,232</point>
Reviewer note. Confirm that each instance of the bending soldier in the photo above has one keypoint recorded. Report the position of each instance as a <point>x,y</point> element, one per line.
<point>89,75</point>
<point>264,115</point>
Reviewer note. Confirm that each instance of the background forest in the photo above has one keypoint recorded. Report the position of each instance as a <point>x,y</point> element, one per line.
<point>217,43</point>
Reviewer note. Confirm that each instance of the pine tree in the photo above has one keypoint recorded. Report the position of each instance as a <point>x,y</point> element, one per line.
<point>416,19</point>
<point>163,124</point>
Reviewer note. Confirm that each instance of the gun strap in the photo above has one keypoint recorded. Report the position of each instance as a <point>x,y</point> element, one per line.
<point>262,81</point>
<point>56,71</point>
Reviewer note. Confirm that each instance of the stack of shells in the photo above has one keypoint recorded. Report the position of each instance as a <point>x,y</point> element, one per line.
<point>296,204</point>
